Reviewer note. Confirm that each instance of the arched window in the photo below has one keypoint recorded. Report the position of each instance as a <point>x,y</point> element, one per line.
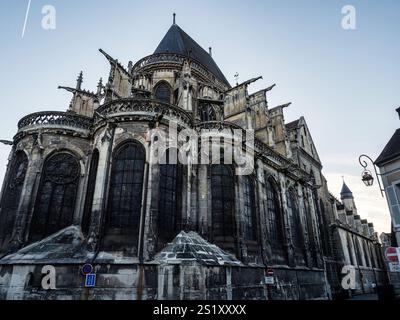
<point>296,226</point>
<point>55,203</point>
<point>12,196</point>
<point>250,232</point>
<point>87,214</point>
<point>207,113</point>
<point>125,199</point>
<point>169,200</point>
<point>273,217</point>
<point>162,92</point>
<point>223,202</point>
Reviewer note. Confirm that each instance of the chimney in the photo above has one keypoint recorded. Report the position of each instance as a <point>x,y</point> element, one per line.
<point>210,52</point>
<point>398,111</point>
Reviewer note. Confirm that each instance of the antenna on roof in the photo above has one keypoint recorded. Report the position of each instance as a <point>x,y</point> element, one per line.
<point>174,20</point>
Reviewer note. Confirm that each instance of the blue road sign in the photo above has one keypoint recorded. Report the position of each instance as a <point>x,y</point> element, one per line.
<point>87,268</point>
<point>90,280</point>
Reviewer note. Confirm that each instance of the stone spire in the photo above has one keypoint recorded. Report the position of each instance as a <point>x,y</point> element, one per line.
<point>79,81</point>
<point>346,192</point>
<point>99,87</point>
<point>348,199</point>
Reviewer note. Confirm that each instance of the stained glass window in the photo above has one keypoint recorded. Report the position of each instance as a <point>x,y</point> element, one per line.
<point>55,203</point>
<point>125,199</point>
<point>163,92</point>
<point>169,203</point>
<point>223,198</point>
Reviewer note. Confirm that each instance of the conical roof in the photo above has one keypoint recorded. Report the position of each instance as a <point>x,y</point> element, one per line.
<point>346,192</point>
<point>178,41</point>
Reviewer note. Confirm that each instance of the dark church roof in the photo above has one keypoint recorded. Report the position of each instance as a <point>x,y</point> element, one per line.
<point>178,41</point>
<point>292,125</point>
<point>346,192</point>
<point>392,149</point>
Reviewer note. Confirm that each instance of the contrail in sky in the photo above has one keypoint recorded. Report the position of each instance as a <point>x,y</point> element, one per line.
<point>26,17</point>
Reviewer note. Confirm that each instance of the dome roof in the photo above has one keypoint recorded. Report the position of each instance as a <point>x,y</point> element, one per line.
<point>178,41</point>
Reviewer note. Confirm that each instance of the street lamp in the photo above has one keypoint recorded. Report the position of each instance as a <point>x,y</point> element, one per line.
<point>366,175</point>
<point>367,178</point>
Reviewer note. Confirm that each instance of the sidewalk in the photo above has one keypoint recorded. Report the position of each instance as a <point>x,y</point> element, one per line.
<point>371,296</point>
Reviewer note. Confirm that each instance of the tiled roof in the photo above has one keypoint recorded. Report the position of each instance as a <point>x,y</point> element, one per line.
<point>178,41</point>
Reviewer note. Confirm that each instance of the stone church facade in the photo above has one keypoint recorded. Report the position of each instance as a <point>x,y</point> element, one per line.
<point>81,188</point>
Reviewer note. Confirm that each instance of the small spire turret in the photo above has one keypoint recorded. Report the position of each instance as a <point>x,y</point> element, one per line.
<point>79,81</point>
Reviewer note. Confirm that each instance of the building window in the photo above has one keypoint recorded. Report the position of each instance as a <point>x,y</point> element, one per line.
<point>87,214</point>
<point>223,198</point>
<point>250,232</point>
<point>207,113</point>
<point>169,200</point>
<point>12,197</point>
<point>393,194</point>
<point>296,226</point>
<point>125,199</point>
<point>162,92</point>
<point>273,216</point>
<point>55,204</point>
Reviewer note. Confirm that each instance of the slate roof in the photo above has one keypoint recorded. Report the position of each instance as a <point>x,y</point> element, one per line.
<point>346,192</point>
<point>192,248</point>
<point>292,125</point>
<point>391,151</point>
<point>178,41</point>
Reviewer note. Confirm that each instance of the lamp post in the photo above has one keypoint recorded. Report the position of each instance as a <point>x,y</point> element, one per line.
<point>6,142</point>
<point>367,176</point>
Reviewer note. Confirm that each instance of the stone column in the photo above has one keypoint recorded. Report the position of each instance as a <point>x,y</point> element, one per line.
<point>101,187</point>
<point>28,198</point>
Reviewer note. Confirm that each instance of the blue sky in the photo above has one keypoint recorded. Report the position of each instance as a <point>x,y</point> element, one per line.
<point>344,82</point>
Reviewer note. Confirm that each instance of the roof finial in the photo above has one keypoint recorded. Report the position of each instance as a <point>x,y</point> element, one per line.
<point>79,81</point>
<point>210,51</point>
<point>174,21</point>
<point>398,111</point>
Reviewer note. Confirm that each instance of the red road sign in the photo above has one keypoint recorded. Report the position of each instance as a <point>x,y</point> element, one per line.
<point>391,254</point>
<point>270,273</point>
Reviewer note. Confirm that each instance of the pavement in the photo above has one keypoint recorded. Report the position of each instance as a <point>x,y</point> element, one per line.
<point>371,296</point>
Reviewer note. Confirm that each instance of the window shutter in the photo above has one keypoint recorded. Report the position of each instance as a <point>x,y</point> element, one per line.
<point>393,204</point>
